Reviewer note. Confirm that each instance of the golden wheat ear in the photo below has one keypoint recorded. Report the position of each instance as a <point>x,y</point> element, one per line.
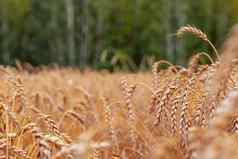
<point>198,33</point>
<point>193,30</point>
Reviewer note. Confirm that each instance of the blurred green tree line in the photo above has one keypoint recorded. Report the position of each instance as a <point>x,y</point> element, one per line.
<point>104,33</point>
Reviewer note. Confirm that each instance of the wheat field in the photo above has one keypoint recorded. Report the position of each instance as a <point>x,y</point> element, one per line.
<point>172,113</point>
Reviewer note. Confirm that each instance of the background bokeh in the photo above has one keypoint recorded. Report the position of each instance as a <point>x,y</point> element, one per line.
<point>121,34</point>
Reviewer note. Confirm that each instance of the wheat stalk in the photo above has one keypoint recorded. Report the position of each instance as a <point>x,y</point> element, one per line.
<point>198,33</point>
<point>128,91</point>
<point>175,104</point>
<point>13,150</point>
<point>164,102</point>
<point>109,120</point>
<point>44,149</point>
<point>156,70</point>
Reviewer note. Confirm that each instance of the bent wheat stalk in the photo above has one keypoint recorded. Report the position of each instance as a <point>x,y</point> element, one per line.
<point>198,33</point>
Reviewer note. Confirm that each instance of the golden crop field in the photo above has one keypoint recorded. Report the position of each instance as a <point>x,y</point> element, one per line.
<point>173,113</point>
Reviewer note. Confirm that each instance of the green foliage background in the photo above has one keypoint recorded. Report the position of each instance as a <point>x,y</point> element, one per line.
<point>122,34</point>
